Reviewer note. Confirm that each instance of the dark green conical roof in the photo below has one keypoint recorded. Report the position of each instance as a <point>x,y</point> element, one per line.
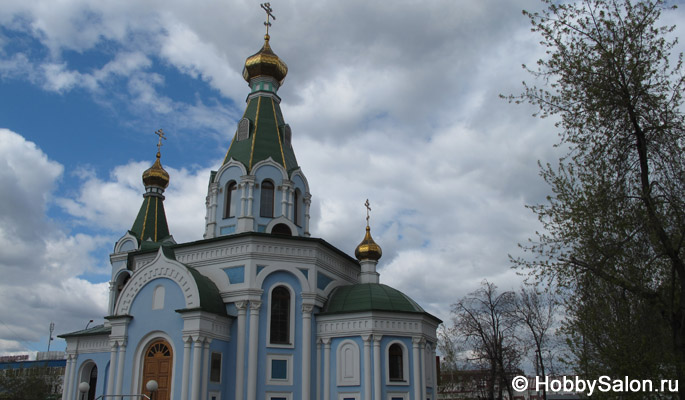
<point>151,224</point>
<point>266,136</point>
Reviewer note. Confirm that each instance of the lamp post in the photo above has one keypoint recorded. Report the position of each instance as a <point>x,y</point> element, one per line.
<point>152,387</point>
<point>83,387</point>
<point>89,322</point>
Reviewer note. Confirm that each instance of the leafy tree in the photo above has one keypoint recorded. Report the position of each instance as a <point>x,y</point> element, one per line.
<point>615,223</point>
<point>34,383</point>
<point>484,321</point>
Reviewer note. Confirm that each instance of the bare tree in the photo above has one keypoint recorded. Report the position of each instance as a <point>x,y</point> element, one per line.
<point>537,314</point>
<point>485,321</point>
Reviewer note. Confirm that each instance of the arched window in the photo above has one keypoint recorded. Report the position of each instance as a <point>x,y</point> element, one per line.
<point>297,207</point>
<point>229,209</point>
<point>279,331</point>
<point>266,200</point>
<point>396,363</point>
<point>92,382</point>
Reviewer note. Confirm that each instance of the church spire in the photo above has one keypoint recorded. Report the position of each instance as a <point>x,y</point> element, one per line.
<point>368,253</point>
<point>151,224</point>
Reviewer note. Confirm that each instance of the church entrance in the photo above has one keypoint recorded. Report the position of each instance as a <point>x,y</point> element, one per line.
<point>157,365</point>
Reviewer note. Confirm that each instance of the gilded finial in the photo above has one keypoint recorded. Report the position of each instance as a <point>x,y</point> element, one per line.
<point>160,133</point>
<point>269,14</point>
<point>368,249</point>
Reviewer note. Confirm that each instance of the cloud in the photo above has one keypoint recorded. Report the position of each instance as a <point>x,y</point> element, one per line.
<point>40,262</point>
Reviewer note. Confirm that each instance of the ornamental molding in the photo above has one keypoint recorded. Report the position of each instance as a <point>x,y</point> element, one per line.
<point>160,267</point>
<point>360,324</point>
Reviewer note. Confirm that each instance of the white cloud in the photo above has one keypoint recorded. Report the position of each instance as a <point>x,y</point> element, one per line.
<point>39,262</point>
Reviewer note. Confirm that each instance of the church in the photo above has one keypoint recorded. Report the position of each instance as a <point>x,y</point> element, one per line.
<point>257,308</point>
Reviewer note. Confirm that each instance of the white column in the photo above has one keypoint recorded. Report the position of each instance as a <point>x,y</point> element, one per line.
<point>252,351</point>
<point>197,368</point>
<point>318,369</point>
<point>205,369</point>
<point>240,357</point>
<point>377,367</point>
<point>434,368</point>
<point>326,368</point>
<point>367,366</point>
<point>243,198</point>
<point>306,350</point>
<point>112,363</point>
<point>120,368</point>
<point>250,198</point>
<point>290,203</point>
<point>307,203</point>
<point>284,200</point>
<point>110,307</point>
<point>417,367</point>
<point>68,378</point>
<point>422,355</point>
<point>186,367</point>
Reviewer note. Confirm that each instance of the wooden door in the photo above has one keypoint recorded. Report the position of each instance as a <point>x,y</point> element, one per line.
<point>157,366</point>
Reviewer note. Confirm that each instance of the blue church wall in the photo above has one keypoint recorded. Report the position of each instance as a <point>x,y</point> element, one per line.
<point>293,352</point>
<point>408,385</point>
<point>336,387</point>
<point>148,324</point>
<point>227,349</point>
<point>101,360</point>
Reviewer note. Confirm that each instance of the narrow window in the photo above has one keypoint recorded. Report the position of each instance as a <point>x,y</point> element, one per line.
<point>297,211</point>
<point>395,363</point>
<point>158,298</point>
<point>266,201</point>
<point>215,368</point>
<point>229,210</point>
<point>280,316</point>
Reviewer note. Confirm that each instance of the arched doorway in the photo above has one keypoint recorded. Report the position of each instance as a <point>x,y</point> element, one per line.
<point>157,363</point>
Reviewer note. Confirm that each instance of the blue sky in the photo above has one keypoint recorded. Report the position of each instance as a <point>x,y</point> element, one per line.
<point>396,104</point>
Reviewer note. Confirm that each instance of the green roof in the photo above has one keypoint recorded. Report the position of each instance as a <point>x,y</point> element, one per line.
<point>210,298</point>
<point>266,136</point>
<point>369,297</point>
<point>151,220</point>
<point>96,330</point>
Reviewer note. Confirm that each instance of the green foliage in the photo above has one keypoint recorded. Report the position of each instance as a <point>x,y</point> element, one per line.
<point>615,222</point>
<point>35,383</point>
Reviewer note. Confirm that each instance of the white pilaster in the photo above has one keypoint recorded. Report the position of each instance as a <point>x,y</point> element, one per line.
<point>120,368</point>
<point>417,367</point>
<point>318,369</point>
<point>434,368</point>
<point>197,368</point>
<point>240,356</point>
<point>186,367</point>
<point>205,369</point>
<point>252,350</point>
<point>243,199</point>
<point>110,307</point>
<point>377,367</point>
<point>69,378</point>
<point>307,203</point>
<point>250,198</point>
<point>367,366</point>
<point>326,369</point>
<point>422,356</point>
<point>112,363</point>
<point>306,350</point>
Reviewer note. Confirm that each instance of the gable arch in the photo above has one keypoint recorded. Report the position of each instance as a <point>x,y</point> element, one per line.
<point>270,162</point>
<point>282,220</point>
<point>264,273</point>
<point>160,267</point>
<point>231,163</point>
<point>298,173</point>
<point>139,358</point>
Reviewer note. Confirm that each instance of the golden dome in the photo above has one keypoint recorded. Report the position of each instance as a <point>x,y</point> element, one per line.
<point>368,249</point>
<point>156,175</point>
<point>265,63</point>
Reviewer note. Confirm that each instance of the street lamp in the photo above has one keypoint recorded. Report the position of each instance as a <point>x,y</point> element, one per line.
<point>152,387</point>
<point>83,387</point>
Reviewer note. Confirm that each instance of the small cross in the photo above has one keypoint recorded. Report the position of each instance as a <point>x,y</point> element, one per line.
<point>368,208</point>
<point>160,133</point>
<point>267,8</point>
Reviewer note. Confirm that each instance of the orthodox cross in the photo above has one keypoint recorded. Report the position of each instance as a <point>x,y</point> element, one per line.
<point>160,133</point>
<point>267,8</point>
<point>368,208</point>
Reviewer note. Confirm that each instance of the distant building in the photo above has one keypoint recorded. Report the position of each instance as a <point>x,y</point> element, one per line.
<point>257,309</point>
<point>48,370</point>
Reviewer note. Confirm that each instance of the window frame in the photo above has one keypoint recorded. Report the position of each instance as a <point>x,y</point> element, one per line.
<point>341,380</point>
<point>291,318</point>
<point>229,211</point>
<point>405,364</point>
<point>262,199</point>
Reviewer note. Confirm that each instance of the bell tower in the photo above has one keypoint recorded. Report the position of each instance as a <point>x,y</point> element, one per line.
<point>260,187</point>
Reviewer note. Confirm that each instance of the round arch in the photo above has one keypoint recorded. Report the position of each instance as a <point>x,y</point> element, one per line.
<point>139,359</point>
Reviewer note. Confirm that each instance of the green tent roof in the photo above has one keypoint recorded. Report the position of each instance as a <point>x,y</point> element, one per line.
<point>266,136</point>
<point>151,220</point>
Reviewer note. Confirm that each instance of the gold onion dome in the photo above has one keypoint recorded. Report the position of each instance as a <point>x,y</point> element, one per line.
<point>156,175</point>
<point>265,63</point>
<point>368,249</point>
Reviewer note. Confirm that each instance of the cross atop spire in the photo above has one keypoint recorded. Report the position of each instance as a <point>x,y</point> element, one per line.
<point>160,133</point>
<point>269,14</point>
<point>368,208</point>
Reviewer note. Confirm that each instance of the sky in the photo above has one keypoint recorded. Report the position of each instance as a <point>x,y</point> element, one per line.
<point>397,102</point>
